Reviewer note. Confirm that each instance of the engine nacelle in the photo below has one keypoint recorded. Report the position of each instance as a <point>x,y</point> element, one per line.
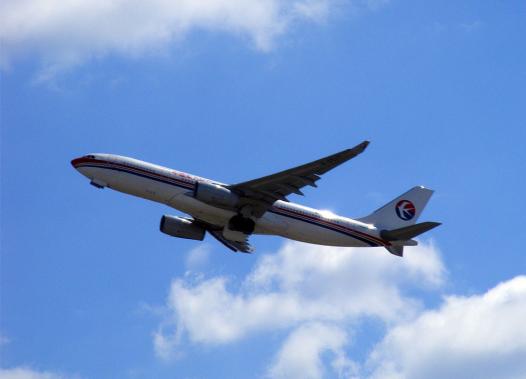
<point>216,195</point>
<point>181,227</point>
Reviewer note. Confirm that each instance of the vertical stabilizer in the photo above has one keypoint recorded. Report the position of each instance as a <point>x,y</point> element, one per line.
<point>402,211</point>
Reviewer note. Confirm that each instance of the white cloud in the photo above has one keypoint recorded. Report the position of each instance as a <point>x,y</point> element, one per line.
<point>198,256</point>
<point>28,373</point>
<point>320,294</point>
<point>300,283</point>
<point>301,354</point>
<point>65,33</point>
<point>481,336</point>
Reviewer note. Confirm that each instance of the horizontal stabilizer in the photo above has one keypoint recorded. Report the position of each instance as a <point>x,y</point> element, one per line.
<point>408,232</point>
<point>396,250</point>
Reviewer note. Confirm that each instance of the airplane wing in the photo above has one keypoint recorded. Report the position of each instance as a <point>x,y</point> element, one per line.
<point>243,247</point>
<point>261,193</point>
<point>217,232</point>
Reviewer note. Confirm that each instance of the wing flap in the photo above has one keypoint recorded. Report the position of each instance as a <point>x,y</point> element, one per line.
<point>235,246</point>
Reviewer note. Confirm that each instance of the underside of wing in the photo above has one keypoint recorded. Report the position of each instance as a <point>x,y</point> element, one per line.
<point>261,193</point>
<point>216,231</point>
<point>236,246</point>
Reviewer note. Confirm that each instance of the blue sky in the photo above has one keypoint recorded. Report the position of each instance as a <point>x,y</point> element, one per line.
<point>234,90</point>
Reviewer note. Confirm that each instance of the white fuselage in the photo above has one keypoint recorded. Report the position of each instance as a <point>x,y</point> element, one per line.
<point>175,189</point>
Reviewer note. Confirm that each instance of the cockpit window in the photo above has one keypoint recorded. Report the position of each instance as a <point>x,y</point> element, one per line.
<point>90,156</point>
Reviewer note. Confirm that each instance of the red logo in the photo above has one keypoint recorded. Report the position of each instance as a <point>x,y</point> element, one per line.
<point>405,210</point>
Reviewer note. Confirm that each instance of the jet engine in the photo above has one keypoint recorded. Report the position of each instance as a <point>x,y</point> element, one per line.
<point>216,195</point>
<point>181,227</point>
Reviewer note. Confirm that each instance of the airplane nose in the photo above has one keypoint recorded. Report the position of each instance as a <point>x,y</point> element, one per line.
<point>75,162</point>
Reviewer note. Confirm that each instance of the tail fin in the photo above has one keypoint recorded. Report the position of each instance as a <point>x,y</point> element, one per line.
<point>402,211</point>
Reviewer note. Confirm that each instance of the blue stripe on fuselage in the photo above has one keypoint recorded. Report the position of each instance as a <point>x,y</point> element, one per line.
<point>312,222</point>
<point>144,175</point>
<point>191,186</point>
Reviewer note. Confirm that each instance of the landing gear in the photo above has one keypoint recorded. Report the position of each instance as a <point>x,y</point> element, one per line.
<point>242,224</point>
<point>97,183</point>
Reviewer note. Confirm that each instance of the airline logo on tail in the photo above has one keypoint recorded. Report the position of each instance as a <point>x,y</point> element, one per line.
<point>405,210</point>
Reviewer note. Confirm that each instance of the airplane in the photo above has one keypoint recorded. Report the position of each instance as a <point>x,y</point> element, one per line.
<point>231,213</point>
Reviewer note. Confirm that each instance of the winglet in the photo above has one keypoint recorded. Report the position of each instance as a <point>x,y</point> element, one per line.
<point>363,146</point>
<point>352,152</point>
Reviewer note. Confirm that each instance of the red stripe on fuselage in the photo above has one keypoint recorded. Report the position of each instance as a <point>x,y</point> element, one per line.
<point>190,183</point>
<point>186,182</point>
<point>332,224</point>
